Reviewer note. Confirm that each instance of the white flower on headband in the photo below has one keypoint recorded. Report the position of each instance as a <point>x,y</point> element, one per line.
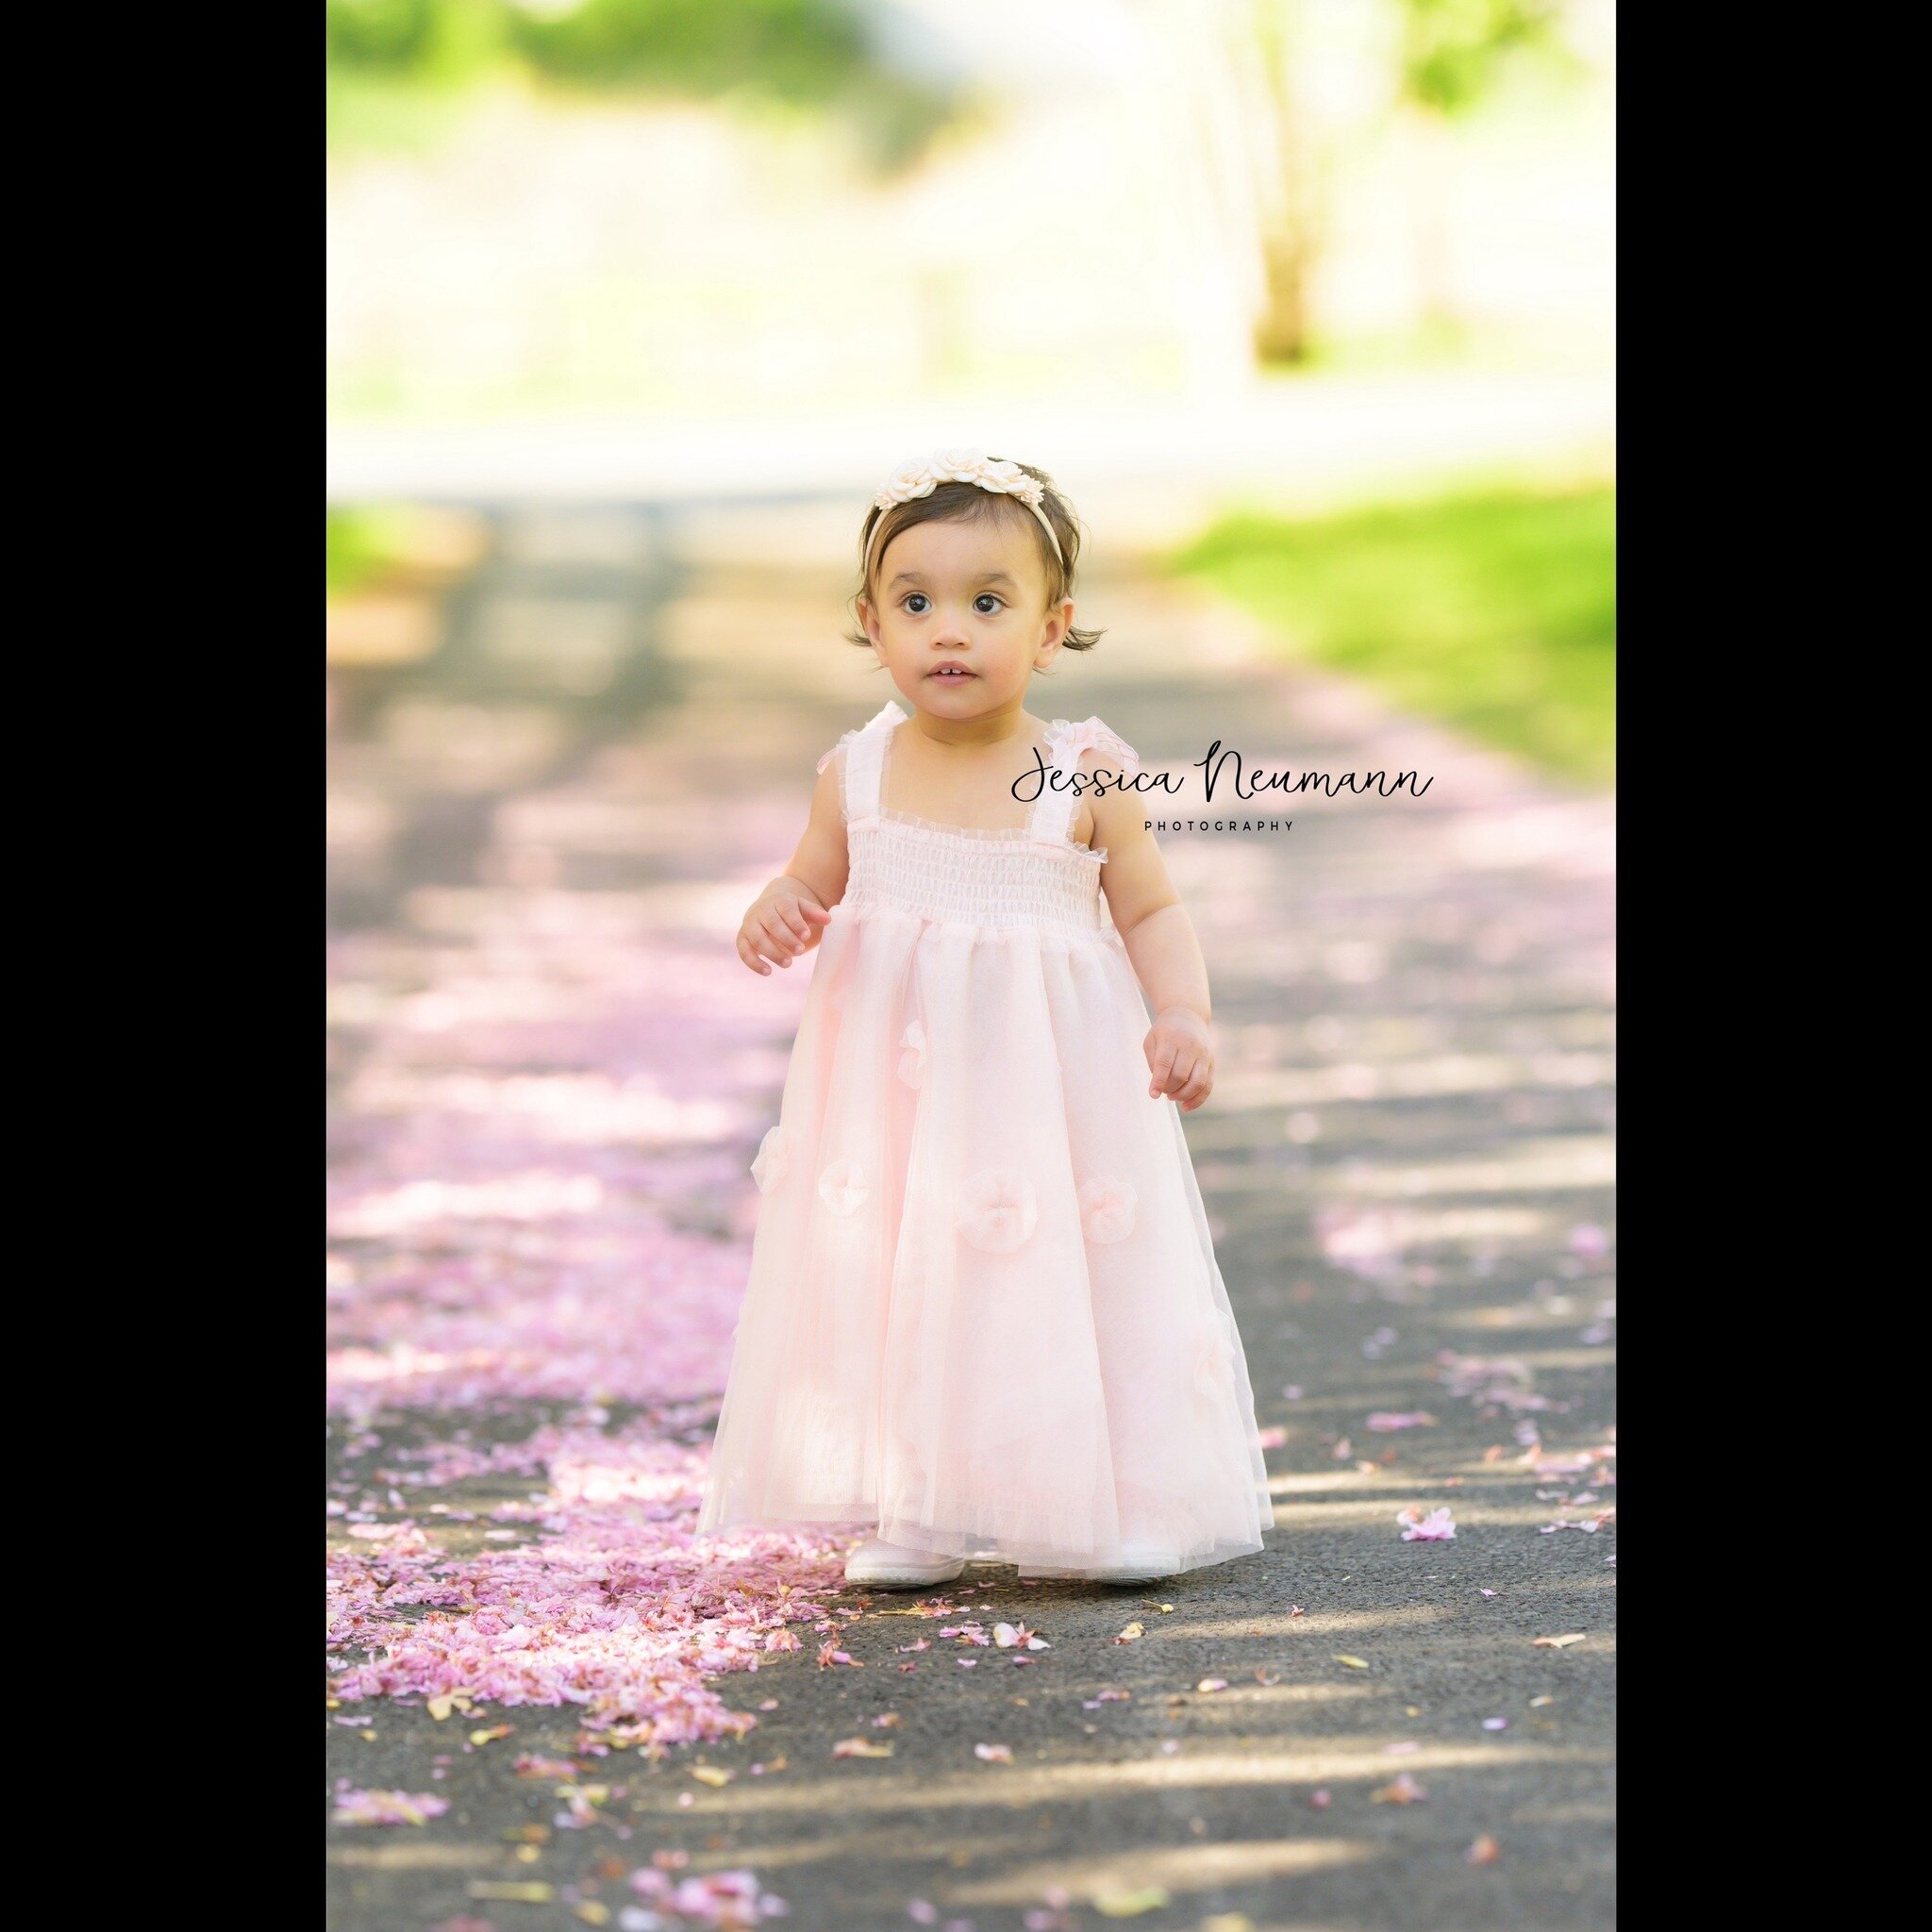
<point>909,482</point>
<point>923,475</point>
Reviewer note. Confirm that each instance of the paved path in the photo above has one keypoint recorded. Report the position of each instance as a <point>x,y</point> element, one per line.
<point>549,1074</point>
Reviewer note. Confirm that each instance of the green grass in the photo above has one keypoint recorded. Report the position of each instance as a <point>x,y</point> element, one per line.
<point>361,544</point>
<point>1493,609</point>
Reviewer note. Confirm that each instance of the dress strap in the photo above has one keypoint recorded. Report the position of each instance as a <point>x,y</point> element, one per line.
<point>1053,811</point>
<point>865,750</point>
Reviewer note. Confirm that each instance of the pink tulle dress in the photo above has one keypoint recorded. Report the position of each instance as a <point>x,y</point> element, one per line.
<point>984,1316</point>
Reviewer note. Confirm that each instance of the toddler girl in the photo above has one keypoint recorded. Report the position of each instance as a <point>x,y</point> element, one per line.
<point>984,1314</point>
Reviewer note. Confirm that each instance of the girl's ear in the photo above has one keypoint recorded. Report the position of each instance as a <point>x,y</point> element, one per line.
<point>868,621</point>
<point>1060,620</point>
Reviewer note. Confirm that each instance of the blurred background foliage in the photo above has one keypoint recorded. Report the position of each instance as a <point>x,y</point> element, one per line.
<point>816,55</point>
<point>1492,609</point>
<point>1454,52</point>
<point>1225,266</point>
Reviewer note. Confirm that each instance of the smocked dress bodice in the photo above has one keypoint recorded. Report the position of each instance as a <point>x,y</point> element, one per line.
<point>1032,877</point>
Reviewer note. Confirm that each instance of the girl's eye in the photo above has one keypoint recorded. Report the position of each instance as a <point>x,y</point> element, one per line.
<point>986,602</point>
<point>918,602</point>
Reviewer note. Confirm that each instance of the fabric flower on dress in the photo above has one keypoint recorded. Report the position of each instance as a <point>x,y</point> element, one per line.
<point>1106,1207</point>
<point>1090,734</point>
<point>843,1187</point>
<point>997,1211</point>
<point>912,1057</point>
<point>1210,1363</point>
<point>774,1160</point>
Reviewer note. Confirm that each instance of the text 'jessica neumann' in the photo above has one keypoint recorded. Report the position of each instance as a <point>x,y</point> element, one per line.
<point>1245,784</point>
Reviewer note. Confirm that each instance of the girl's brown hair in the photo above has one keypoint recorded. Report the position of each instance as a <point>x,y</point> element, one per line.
<point>958,503</point>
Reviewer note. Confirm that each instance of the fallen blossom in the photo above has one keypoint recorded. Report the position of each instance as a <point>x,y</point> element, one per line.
<point>995,1754</point>
<point>1558,1643</point>
<point>1403,1790</point>
<point>862,1747</point>
<point>1212,1684</point>
<point>355,1806</point>
<point>726,1901</point>
<point>1437,1526</point>
<point>1007,1635</point>
<point>1484,1851</point>
<point>1496,1724</point>
<point>1132,1632</point>
<point>530,1765</point>
<point>829,1655</point>
<point>1275,1437</point>
<point>1383,1421</point>
<point>1321,1800</point>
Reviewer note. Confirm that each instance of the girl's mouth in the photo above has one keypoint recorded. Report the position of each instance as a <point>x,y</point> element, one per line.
<point>952,673</point>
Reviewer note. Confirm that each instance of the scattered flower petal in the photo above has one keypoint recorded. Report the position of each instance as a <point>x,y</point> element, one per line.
<point>355,1806</point>
<point>1403,1790</point>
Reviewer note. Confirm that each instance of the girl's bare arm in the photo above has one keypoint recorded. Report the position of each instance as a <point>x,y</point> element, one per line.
<point>788,916</point>
<point>1161,943</point>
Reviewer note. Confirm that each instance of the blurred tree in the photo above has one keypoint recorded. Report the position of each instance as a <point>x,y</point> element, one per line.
<point>1290,200</point>
<point>802,50</point>
<point>1449,56</point>
<point>423,41</point>
<point>807,53</point>
<point>1454,53</point>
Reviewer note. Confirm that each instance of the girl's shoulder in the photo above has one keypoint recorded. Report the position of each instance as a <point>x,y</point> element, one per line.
<point>882,720</point>
<point>1088,744</point>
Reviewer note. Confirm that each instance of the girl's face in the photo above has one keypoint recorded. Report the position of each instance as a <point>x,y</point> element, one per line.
<point>961,618</point>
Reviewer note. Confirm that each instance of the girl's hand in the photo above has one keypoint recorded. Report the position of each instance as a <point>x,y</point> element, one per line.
<point>780,926</point>
<point>1180,1056</point>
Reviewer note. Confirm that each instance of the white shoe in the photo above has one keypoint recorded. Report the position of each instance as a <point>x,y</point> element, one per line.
<point>891,1566</point>
<point>1135,1563</point>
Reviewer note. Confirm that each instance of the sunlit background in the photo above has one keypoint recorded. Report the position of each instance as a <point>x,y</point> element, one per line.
<point>632,305</point>
<point>1223,265</point>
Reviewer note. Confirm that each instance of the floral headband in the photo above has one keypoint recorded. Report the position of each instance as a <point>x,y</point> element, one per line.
<point>923,475</point>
